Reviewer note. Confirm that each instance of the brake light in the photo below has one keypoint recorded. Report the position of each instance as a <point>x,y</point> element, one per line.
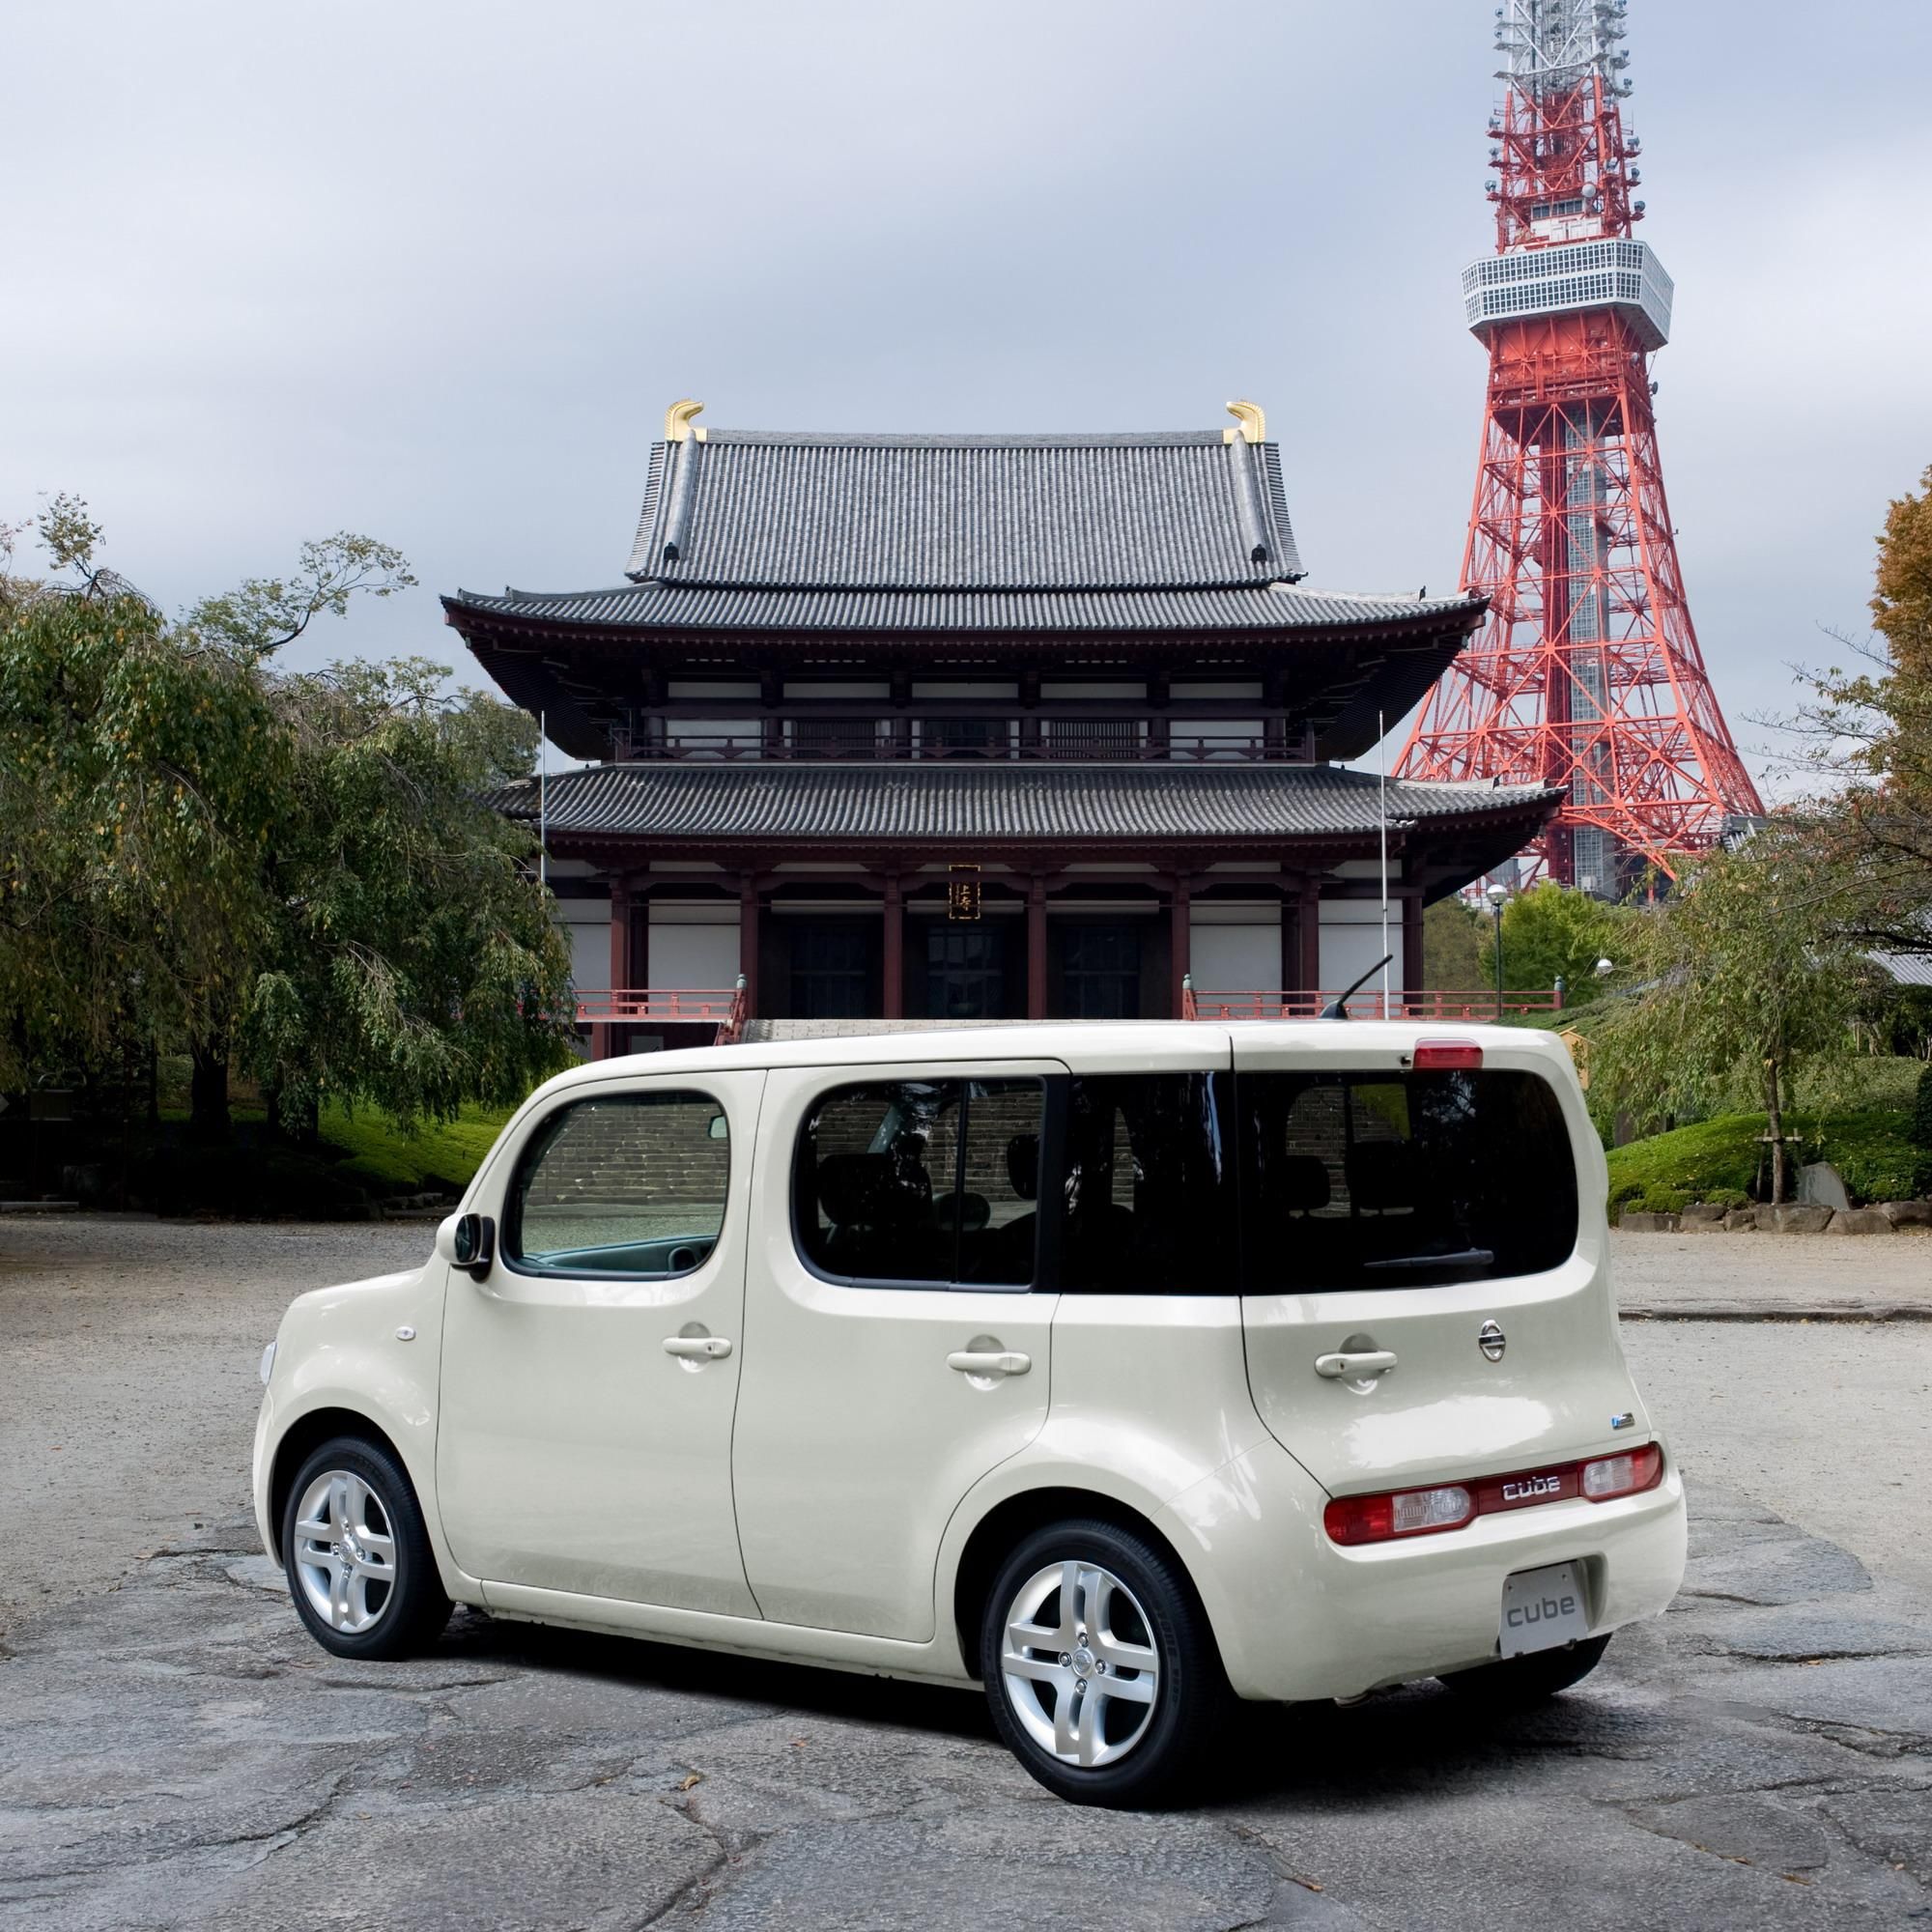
<point>1401,1512</point>
<point>1624,1475</point>
<point>1442,1055</point>
<point>1405,1513</point>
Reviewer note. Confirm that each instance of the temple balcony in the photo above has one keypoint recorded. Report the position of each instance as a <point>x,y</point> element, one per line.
<point>888,738</point>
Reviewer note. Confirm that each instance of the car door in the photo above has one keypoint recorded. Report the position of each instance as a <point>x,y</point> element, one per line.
<point>588,1379</point>
<point>896,1350</point>
<point>1427,1261</point>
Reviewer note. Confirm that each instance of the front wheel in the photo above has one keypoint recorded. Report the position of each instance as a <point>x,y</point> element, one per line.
<point>1099,1666</point>
<point>357,1557</point>
<point>1522,1683</point>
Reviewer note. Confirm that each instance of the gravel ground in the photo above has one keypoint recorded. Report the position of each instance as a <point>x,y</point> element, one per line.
<point>1772,1270</point>
<point>129,1350</point>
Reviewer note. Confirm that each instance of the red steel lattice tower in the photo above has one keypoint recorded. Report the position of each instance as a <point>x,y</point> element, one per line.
<point>1586,672</point>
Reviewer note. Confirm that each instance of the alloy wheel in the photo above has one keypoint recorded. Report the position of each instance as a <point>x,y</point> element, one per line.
<point>345,1551</point>
<point>1081,1671</point>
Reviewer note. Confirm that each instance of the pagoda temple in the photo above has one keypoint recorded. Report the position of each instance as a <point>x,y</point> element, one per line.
<point>964,728</point>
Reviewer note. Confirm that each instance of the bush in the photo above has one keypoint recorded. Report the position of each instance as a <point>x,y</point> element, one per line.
<point>1921,1109</point>
<point>252,1182</point>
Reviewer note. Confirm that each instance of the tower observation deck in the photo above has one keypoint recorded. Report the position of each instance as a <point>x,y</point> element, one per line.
<point>1586,672</point>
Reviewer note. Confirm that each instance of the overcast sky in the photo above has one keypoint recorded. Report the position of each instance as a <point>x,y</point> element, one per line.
<point>433,271</point>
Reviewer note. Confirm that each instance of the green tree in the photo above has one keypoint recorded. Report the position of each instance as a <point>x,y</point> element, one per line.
<point>1747,979</point>
<point>411,961</point>
<point>1553,932</point>
<point>1452,947</point>
<point>136,772</point>
<point>199,851</point>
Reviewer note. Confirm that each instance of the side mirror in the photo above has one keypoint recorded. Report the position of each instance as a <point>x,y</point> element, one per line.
<point>468,1241</point>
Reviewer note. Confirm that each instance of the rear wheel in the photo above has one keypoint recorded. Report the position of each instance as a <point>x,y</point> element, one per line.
<point>1099,1666</point>
<point>357,1557</point>
<point>1521,1682</point>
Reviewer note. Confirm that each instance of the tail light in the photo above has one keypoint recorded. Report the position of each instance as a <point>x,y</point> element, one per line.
<point>1624,1475</point>
<point>1443,1056</point>
<point>1403,1513</point>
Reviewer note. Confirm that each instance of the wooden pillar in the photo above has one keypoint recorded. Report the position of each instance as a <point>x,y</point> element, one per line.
<point>1035,923</point>
<point>747,939</point>
<point>1180,921</point>
<point>604,1035</point>
<point>892,975</point>
<point>1311,937</point>
<point>1412,944</point>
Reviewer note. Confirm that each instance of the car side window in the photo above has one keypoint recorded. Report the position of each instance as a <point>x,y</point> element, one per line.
<point>921,1181</point>
<point>1148,1186</point>
<point>629,1184</point>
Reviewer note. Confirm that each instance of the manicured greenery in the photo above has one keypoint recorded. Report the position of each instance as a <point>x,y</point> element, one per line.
<point>1723,1159</point>
<point>1921,1109</point>
<point>442,1154</point>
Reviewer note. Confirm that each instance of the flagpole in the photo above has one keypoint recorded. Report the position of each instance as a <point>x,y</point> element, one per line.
<point>1381,725</point>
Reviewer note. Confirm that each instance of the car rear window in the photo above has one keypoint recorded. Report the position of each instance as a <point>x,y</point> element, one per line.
<point>1376,1179</point>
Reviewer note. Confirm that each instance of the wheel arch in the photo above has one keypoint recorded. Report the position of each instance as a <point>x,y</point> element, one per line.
<point>307,1434</point>
<point>996,1533</point>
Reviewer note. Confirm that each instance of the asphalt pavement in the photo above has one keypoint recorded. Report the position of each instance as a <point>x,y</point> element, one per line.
<point>176,1753</point>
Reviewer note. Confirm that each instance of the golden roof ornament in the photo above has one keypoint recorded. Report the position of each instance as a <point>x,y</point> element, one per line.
<point>677,420</point>
<point>1251,425</point>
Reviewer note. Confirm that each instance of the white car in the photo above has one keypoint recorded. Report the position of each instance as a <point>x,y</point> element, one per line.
<point>1120,1368</point>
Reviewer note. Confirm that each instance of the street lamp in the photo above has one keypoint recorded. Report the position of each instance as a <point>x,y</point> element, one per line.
<point>1498,897</point>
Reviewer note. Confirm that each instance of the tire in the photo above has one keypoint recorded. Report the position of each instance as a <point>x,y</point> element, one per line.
<point>1522,1683</point>
<point>1065,1723</point>
<point>380,1598</point>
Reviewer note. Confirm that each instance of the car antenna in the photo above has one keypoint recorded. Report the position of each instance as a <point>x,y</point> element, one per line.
<point>1337,1008</point>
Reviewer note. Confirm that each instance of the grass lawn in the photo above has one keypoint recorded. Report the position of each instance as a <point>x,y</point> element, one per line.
<point>1719,1159</point>
<point>439,1154</point>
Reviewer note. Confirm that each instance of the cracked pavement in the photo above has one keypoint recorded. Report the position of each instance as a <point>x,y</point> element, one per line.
<point>176,1753</point>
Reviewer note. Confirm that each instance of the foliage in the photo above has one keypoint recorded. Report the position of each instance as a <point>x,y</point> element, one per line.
<point>1452,947</point>
<point>135,781</point>
<point>200,853</point>
<point>1922,1110</point>
<point>410,962</point>
<point>1868,738</point>
<point>1553,932</point>
<point>1723,1159</point>
<point>444,1155</point>
<point>1744,977</point>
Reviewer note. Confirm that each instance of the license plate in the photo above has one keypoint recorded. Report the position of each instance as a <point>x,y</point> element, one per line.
<point>1542,1609</point>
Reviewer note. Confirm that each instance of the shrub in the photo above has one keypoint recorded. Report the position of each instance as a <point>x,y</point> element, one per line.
<point>1921,1109</point>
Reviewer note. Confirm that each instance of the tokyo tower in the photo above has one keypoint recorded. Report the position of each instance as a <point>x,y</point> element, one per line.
<point>1586,672</point>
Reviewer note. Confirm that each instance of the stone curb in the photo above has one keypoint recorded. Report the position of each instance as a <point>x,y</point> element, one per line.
<point>1758,1310</point>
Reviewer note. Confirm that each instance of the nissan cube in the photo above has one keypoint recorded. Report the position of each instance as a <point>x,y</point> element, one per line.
<point>1124,1370</point>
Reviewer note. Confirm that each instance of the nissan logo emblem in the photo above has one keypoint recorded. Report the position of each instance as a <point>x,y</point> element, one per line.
<point>1490,1339</point>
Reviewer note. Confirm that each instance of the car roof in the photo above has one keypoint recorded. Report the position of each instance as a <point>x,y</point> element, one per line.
<point>1094,1047</point>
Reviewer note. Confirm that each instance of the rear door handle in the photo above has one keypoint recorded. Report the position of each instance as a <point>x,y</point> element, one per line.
<point>1350,1368</point>
<point>697,1347</point>
<point>987,1362</point>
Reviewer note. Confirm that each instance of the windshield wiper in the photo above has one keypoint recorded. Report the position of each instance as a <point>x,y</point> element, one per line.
<point>1462,1258</point>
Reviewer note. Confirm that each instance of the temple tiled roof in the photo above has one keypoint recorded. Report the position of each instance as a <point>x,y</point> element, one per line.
<point>1175,511</point>
<point>1009,803</point>
<point>1252,608</point>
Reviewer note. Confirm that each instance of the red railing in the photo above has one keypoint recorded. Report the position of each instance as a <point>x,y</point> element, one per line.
<point>1366,1004</point>
<point>723,1006</point>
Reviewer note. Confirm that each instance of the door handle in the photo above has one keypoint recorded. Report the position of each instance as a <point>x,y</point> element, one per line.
<point>1350,1368</point>
<point>989,1362</point>
<point>697,1347</point>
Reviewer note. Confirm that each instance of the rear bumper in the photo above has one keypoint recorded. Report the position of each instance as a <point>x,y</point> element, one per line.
<point>1298,1617</point>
